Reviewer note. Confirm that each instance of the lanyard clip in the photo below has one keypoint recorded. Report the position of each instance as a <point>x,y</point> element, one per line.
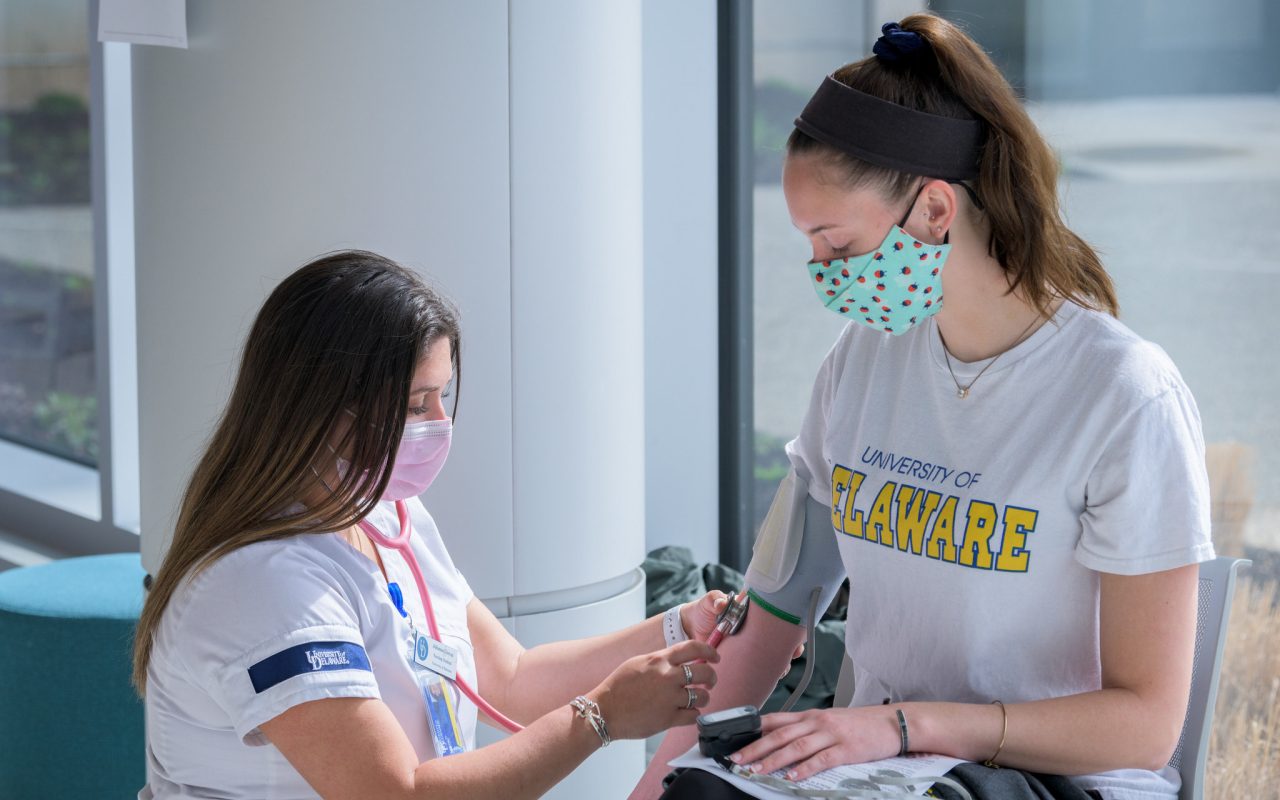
<point>397,598</point>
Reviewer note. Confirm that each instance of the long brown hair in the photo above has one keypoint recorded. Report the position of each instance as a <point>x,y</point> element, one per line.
<point>342,335</point>
<point>1018,173</point>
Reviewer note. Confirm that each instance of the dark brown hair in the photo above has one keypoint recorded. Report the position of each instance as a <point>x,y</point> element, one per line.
<point>1017,181</point>
<point>341,336</point>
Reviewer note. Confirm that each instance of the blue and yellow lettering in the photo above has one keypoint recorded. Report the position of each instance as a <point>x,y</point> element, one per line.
<point>879,523</point>
<point>915,508</point>
<point>980,525</point>
<point>839,493</point>
<point>1018,522</point>
<point>942,537</point>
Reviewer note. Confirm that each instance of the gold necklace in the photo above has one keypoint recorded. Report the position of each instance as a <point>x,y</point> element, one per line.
<point>963,391</point>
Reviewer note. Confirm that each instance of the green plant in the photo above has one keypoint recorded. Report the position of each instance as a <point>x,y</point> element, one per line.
<point>70,420</point>
<point>44,152</point>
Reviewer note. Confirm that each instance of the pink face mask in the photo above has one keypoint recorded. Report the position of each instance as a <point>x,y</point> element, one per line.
<point>423,450</point>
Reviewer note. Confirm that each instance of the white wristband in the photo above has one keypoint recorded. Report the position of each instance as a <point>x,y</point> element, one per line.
<point>672,627</point>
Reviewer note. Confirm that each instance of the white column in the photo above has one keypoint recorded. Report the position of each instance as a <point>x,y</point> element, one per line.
<point>681,276</point>
<point>577,333</point>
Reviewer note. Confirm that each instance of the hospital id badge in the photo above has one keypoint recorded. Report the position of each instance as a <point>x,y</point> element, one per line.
<point>442,718</point>
<point>434,655</point>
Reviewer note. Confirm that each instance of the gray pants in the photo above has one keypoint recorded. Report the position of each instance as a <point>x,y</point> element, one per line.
<point>985,783</point>
<point>982,782</point>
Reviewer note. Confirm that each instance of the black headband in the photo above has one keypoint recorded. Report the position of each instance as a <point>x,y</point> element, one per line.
<point>892,136</point>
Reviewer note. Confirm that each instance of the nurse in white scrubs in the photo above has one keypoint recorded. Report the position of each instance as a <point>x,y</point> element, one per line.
<point>285,653</point>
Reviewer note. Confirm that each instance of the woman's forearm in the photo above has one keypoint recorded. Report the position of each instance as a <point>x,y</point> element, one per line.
<point>525,765</point>
<point>1074,735</point>
<point>636,700</point>
<point>551,675</point>
<point>752,661</point>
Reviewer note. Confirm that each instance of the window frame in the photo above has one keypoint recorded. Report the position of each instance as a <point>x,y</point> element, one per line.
<point>91,510</point>
<point>736,322</point>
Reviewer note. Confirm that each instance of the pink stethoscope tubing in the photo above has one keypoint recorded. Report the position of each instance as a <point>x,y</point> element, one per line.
<point>401,545</point>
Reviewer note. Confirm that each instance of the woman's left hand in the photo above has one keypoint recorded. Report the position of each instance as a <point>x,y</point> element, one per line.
<point>699,616</point>
<point>812,741</point>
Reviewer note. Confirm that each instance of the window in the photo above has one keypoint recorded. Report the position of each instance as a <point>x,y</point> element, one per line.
<point>796,46</point>
<point>1165,121</point>
<point>1166,151</point>
<point>48,387</point>
<point>68,431</point>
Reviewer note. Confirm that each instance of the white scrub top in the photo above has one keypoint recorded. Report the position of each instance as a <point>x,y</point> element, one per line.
<point>280,623</point>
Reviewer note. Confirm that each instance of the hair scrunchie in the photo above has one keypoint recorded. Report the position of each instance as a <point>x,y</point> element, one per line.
<point>896,46</point>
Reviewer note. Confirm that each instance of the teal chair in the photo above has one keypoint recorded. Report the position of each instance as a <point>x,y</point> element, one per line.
<point>70,723</point>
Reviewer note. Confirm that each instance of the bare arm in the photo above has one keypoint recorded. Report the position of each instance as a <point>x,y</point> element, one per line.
<point>525,684</point>
<point>1147,636</point>
<point>751,662</point>
<point>355,747</point>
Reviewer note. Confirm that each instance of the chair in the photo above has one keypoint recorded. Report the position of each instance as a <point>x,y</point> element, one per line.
<point>1217,587</point>
<point>1213,608</point>
<point>70,723</point>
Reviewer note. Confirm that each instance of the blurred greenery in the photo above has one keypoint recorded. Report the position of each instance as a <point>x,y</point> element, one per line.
<point>771,462</point>
<point>770,466</point>
<point>44,152</point>
<point>777,105</point>
<point>70,420</point>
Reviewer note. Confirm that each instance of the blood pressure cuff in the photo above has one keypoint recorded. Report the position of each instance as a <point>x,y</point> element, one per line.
<point>795,551</point>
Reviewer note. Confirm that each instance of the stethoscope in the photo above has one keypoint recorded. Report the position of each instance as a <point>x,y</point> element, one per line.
<point>401,545</point>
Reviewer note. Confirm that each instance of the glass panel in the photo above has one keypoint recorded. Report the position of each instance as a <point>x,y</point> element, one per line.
<point>1165,118</point>
<point>1170,157</point>
<point>47,383</point>
<point>796,46</point>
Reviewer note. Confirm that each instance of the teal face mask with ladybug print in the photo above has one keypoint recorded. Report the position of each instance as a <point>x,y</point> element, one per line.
<point>892,288</point>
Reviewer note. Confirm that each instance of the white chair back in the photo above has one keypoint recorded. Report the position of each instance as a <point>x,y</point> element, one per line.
<point>1217,587</point>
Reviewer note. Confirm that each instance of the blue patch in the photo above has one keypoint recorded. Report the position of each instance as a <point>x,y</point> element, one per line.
<point>306,658</point>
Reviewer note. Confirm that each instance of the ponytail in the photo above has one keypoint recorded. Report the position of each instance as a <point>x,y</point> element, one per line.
<point>1017,175</point>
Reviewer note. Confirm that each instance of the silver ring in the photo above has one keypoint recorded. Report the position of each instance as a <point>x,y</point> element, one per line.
<point>688,674</point>
<point>693,697</point>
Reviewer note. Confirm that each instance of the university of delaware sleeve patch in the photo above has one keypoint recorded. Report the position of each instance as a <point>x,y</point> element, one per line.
<point>306,658</point>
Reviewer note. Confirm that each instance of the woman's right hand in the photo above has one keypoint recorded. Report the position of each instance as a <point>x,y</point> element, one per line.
<point>648,694</point>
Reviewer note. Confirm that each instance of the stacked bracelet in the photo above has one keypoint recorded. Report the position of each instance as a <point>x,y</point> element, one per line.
<point>587,709</point>
<point>672,628</point>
